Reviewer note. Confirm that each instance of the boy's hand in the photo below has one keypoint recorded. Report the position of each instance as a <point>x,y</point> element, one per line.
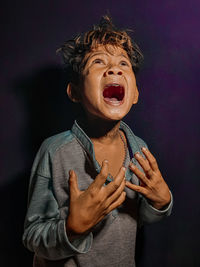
<point>89,207</point>
<point>152,184</point>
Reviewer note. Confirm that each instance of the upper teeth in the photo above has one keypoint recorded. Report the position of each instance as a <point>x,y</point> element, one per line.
<point>113,84</point>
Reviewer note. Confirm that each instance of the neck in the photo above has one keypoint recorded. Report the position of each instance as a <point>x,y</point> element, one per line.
<point>100,131</point>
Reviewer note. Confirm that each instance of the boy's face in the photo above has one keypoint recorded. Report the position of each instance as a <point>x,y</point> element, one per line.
<point>109,86</point>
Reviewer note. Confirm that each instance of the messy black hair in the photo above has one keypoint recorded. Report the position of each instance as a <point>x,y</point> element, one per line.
<point>105,33</point>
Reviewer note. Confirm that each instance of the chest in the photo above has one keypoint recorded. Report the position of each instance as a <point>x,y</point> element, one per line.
<point>115,154</point>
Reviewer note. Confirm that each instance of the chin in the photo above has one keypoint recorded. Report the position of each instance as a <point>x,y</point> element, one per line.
<point>108,114</point>
<point>114,117</point>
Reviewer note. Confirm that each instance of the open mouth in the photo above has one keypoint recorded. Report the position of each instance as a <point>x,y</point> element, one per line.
<point>113,93</point>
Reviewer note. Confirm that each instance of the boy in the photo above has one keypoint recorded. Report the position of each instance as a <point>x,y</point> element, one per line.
<point>87,191</point>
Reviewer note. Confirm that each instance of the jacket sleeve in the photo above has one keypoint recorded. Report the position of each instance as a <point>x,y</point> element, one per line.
<point>44,228</point>
<point>148,214</point>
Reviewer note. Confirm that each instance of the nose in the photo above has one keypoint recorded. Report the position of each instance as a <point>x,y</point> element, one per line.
<point>114,70</point>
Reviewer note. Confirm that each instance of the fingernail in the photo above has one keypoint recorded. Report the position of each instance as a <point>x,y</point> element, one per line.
<point>137,154</point>
<point>132,165</point>
<point>123,168</point>
<point>144,148</point>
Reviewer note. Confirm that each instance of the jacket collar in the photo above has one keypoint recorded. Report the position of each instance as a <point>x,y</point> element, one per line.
<point>86,142</point>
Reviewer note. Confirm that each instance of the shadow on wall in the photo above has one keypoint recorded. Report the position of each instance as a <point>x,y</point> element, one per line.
<point>48,107</point>
<point>48,111</point>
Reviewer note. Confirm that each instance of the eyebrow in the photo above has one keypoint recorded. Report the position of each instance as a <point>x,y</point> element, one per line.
<point>105,53</point>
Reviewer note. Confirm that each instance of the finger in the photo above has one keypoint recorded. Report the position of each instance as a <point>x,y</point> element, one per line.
<point>141,175</point>
<point>118,181</point>
<point>117,202</point>
<point>121,174</point>
<point>136,188</point>
<point>144,164</point>
<point>102,176</point>
<point>152,161</point>
<point>115,195</point>
<point>73,184</point>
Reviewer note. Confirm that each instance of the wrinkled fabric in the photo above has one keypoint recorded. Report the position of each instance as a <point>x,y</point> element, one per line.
<point>112,241</point>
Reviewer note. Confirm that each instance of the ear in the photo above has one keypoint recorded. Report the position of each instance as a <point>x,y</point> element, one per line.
<point>73,93</point>
<point>135,100</point>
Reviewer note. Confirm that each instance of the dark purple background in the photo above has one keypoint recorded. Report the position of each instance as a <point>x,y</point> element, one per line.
<point>34,106</point>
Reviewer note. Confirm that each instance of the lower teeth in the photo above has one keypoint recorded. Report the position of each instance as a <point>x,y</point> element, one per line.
<point>112,99</point>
